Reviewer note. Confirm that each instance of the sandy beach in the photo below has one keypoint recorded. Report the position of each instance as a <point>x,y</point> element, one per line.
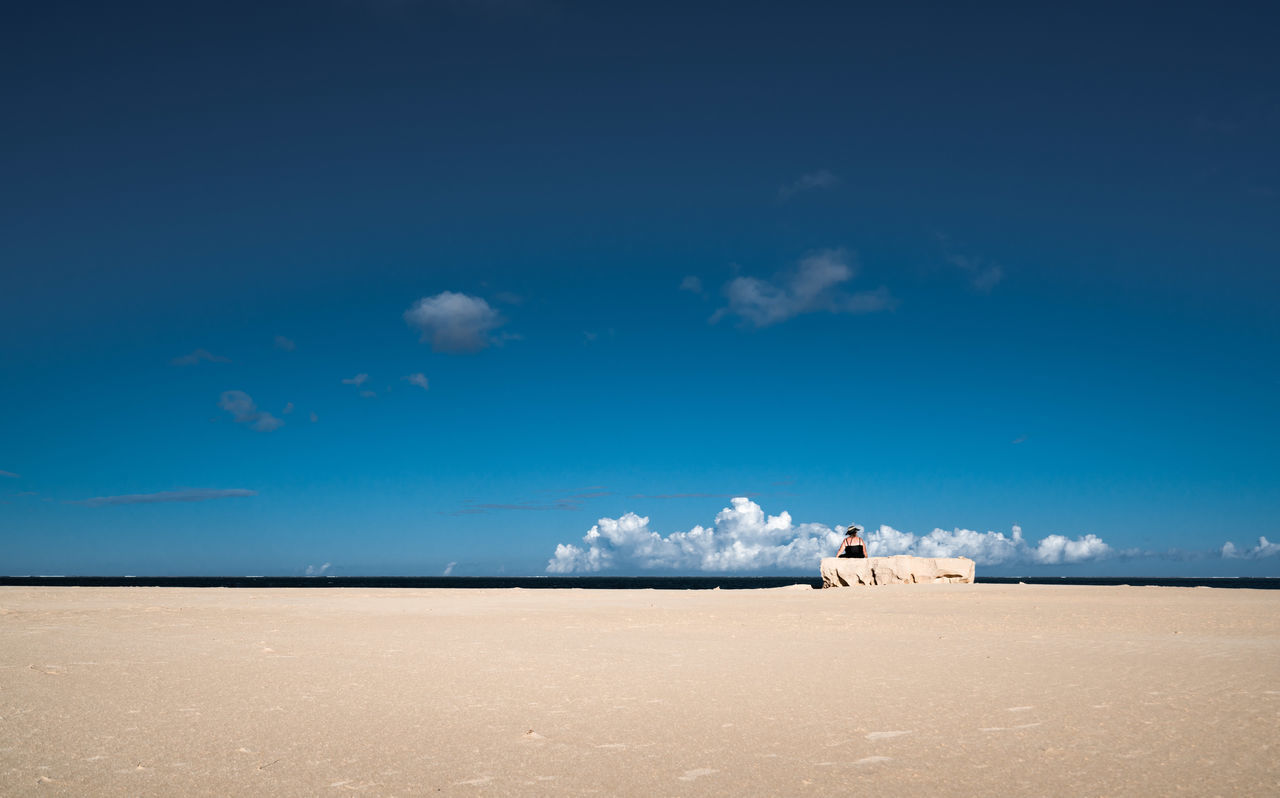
<point>938,690</point>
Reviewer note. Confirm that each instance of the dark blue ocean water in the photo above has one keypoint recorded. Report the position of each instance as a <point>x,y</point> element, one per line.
<point>583,582</point>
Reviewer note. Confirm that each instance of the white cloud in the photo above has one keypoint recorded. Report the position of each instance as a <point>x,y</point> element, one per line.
<point>813,286</point>
<point>448,569</point>
<point>242,407</point>
<point>418,379</point>
<point>189,495</point>
<point>197,356</point>
<point>318,570</point>
<point>692,284</point>
<point>807,182</point>
<point>455,322</point>
<point>359,379</point>
<point>288,408</point>
<point>743,538</point>
<point>1265,548</point>
<point>285,343</point>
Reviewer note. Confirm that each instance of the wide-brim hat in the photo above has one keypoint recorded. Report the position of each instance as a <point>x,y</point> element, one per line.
<point>853,529</point>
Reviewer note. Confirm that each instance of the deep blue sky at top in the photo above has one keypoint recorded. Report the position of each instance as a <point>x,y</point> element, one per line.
<point>207,176</point>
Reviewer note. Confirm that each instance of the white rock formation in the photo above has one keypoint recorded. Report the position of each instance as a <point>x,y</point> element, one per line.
<point>899,569</point>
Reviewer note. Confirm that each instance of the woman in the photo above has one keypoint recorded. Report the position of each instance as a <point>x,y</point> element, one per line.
<point>852,545</point>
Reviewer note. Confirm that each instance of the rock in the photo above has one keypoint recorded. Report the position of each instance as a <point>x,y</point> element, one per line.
<point>896,570</point>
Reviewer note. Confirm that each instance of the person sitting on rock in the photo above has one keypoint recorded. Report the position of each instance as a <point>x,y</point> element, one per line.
<point>852,545</point>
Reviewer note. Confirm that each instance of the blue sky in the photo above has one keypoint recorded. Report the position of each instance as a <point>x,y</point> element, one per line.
<point>937,271</point>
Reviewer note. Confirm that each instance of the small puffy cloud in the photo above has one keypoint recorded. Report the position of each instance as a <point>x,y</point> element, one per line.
<point>455,322</point>
<point>1265,548</point>
<point>813,286</point>
<point>692,284</point>
<point>285,343</point>
<point>743,538</point>
<point>807,182</point>
<point>243,409</point>
<point>1056,549</point>
<point>198,356</point>
<point>419,379</point>
<point>359,379</point>
<point>318,570</point>
<point>288,408</point>
<point>189,495</point>
<point>9,474</point>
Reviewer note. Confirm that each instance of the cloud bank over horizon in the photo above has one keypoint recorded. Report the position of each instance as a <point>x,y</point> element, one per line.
<point>743,538</point>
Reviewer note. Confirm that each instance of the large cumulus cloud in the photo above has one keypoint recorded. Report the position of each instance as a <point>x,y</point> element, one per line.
<point>743,538</point>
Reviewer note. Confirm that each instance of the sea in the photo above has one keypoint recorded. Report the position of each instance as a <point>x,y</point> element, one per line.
<point>589,582</point>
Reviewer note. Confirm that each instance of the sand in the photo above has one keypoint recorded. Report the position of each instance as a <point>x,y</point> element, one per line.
<point>931,690</point>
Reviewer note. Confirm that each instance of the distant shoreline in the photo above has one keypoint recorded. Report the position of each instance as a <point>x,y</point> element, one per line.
<point>589,582</point>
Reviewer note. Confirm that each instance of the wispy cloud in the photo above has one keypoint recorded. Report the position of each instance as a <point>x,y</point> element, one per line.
<point>318,570</point>
<point>983,274</point>
<point>743,538</point>
<point>686,495</point>
<point>448,569</point>
<point>813,286</point>
<point>9,474</point>
<point>419,379</point>
<point>243,409</point>
<point>477,508</point>
<point>186,495</point>
<point>198,356</point>
<point>359,379</point>
<point>288,408</point>
<point>808,182</point>
<point>285,343</point>
<point>455,322</point>
<point>692,284</point>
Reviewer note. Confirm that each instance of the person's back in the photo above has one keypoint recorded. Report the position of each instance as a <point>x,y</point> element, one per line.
<point>852,545</point>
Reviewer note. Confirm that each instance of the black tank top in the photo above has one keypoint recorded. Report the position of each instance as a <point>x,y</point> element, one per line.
<point>854,551</point>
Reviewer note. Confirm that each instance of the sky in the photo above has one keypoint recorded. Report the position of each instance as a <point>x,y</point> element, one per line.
<point>512,287</point>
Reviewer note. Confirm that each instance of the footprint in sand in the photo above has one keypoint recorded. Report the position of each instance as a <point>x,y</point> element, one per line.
<point>690,775</point>
<point>884,735</point>
<point>475,782</point>
<point>1009,728</point>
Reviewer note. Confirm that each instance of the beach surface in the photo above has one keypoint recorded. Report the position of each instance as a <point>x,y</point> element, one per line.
<point>925,690</point>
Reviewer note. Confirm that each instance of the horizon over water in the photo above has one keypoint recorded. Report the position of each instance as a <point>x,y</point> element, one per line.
<point>589,582</point>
